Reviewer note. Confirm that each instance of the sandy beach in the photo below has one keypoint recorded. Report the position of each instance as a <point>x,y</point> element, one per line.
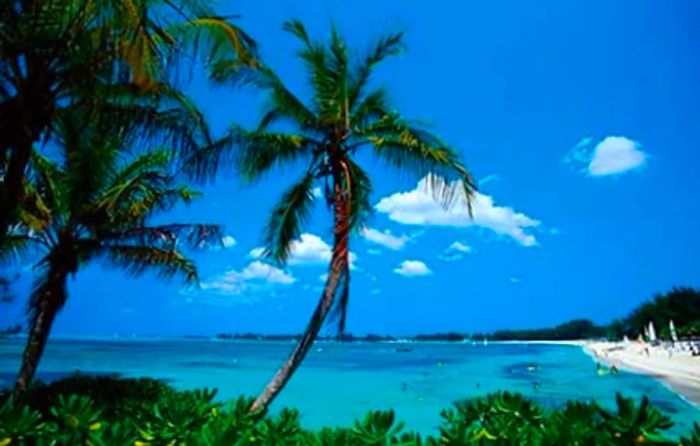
<point>678,369</point>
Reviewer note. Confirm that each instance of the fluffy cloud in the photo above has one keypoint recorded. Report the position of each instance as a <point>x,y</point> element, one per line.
<point>459,247</point>
<point>418,207</point>
<point>309,249</point>
<point>254,277</point>
<point>228,241</point>
<point>455,251</point>
<point>611,156</point>
<point>413,268</point>
<point>385,238</point>
<point>316,192</point>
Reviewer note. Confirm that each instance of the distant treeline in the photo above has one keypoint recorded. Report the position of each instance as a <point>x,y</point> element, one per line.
<point>16,329</point>
<point>682,305</point>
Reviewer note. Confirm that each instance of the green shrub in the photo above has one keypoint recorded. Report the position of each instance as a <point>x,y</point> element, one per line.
<point>107,411</point>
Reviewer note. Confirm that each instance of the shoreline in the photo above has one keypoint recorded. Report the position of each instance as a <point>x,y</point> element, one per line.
<point>680,372</point>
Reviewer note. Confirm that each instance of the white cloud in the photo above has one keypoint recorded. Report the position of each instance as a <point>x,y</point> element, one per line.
<point>488,179</point>
<point>613,155</point>
<point>374,251</point>
<point>323,277</point>
<point>309,249</point>
<point>385,238</point>
<point>418,207</point>
<point>316,192</point>
<point>256,253</point>
<point>413,268</point>
<point>514,280</point>
<point>257,275</point>
<point>375,291</point>
<point>459,247</point>
<point>455,251</point>
<point>228,241</point>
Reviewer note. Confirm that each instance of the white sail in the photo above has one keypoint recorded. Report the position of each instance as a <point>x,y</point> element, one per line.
<point>652,332</point>
<point>672,329</point>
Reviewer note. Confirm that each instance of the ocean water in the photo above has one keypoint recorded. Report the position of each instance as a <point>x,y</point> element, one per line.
<point>340,382</point>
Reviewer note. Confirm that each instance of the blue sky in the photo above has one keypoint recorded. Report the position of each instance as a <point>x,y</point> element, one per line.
<point>579,118</point>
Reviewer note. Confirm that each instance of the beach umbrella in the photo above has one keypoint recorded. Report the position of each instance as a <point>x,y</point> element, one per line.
<point>672,329</point>
<point>652,332</point>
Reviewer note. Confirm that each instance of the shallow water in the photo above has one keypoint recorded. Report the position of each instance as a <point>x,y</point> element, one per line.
<point>340,382</point>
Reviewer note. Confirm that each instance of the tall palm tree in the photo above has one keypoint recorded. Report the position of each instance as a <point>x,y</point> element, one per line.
<point>95,202</point>
<point>344,117</point>
<point>56,54</point>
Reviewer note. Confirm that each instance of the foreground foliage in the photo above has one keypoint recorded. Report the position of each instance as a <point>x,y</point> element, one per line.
<point>109,411</point>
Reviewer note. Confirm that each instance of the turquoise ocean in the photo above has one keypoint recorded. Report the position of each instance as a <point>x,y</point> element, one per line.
<point>339,382</point>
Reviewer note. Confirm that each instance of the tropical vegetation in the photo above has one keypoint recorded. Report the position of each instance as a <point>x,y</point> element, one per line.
<point>85,86</point>
<point>95,200</point>
<point>113,60</point>
<point>345,117</point>
<point>680,305</point>
<point>120,412</point>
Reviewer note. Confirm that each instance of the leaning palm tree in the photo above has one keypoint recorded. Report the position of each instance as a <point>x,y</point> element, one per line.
<point>95,202</point>
<point>56,54</point>
<point>344,117</point>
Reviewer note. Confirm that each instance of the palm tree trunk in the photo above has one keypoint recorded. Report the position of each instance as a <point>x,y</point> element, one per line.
<point>337,273</point>
<point>11,187</point>
<point>49,301</point>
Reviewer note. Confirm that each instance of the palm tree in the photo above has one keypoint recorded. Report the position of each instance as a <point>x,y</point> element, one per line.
<point>95,203</point>
<point>344,117</point>
<point>57,54</point>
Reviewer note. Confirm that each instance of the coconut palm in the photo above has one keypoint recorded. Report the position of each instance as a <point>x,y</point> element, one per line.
<point>56,54</point>
<point>95,202</point>
<point>344,117</point>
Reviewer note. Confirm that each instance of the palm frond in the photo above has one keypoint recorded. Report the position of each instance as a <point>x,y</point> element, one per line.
<point>47,193</point>
<point>159,114</point>
<point>166,237</point>
<point>387,46</point>
<point>16,247</point>
<point>411,148</point>
<point>260,151</point>
<point>374,106</point>
<point>217,38</point>
<point>297,29</point>
<point>137,260</point>
<point>317,60</point>
<point>138,210</point>
<point>288,218</point>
